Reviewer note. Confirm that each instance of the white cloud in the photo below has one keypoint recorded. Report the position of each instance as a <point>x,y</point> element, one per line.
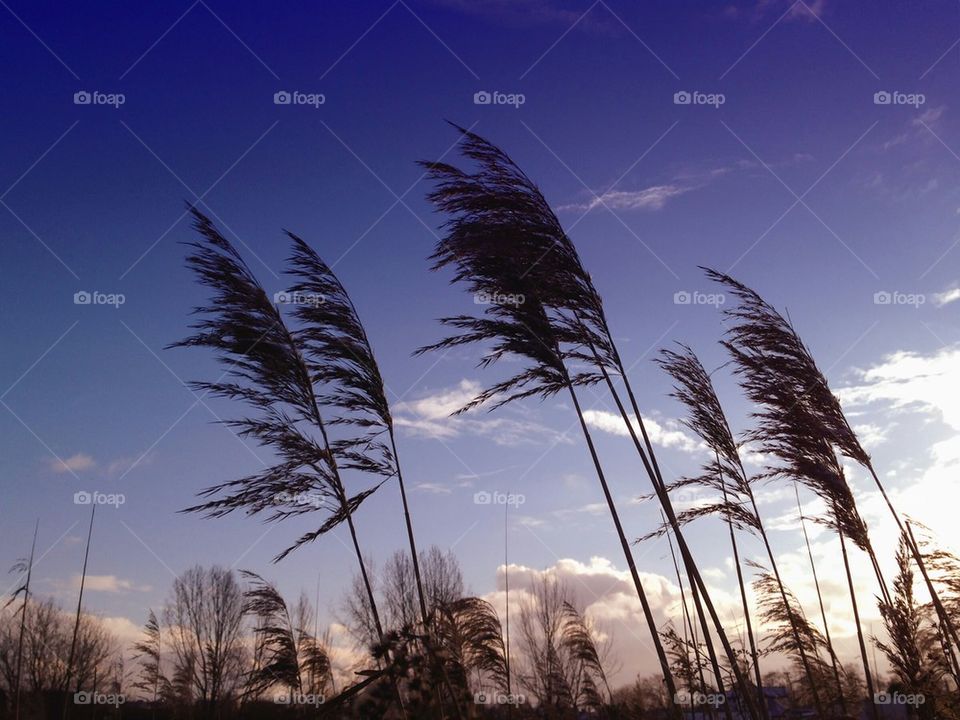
<point>669,434</point>
<point>918,392</point>
<point>109,584</point>
<point>74,463</point>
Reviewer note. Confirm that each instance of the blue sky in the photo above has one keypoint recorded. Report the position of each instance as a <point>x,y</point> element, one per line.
<point>799,183</point>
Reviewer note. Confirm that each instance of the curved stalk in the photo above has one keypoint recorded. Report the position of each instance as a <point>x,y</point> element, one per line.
<point>628,555</point>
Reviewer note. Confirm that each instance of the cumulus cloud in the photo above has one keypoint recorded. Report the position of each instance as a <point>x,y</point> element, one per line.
<point>607,596</point>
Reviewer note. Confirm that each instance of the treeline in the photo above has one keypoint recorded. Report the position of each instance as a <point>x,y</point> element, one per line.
<point>229,644</point>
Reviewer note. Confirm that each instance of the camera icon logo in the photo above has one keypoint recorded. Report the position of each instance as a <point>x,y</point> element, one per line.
<point>282,97</point>
<point>82,698</point>
<point>682,298</point>
<point>882,298</point>
<point>82,97</point>
<point>482,498</point>
<point>82,498</point>
<point>682,97</point>
<point>82,298</point>
<point>281,298</point>
<point>482,98</point>
<point>882,97</point>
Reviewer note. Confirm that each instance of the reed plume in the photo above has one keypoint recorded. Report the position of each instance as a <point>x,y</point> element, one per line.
<point>503,241</point>
<point>725,474</point>
<point>268,369</point>
<point>290,652</point>
<point>777,373</point>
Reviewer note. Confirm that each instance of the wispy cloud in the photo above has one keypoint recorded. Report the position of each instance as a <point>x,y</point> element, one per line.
<point>72,464</point>
<point>431,417</point>
<point>526,13</point>
<point>107,584</point>
<point>918,128</point>
<point>651,198</point>
<point>433,488</point>
<point>757,10</point>
<point>946,297</point>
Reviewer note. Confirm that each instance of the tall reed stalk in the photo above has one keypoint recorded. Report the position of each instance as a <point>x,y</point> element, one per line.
<point>942,615</point>
<point>707,419</point>
<point>24,590</point>
<point>688,622</point>
<point>502,241</point>
<point>76,622</point>
<point>779,375</point>
<point>823,612</point>
<point>269,368</point>
<point>336,344</point>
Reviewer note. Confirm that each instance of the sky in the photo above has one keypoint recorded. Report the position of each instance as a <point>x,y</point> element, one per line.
<point>810,149</point>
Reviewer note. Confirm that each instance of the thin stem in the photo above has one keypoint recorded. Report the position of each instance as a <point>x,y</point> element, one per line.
<point>688,626</point>
<point>625,545</point>
<point>941,612</point>
<point>653,472</point>
<point>856,619</point>
<point>76,623</point>
<point>915,551</point>
<point>23,619</point>
<point>743,598</point>
<point>823,612</point>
